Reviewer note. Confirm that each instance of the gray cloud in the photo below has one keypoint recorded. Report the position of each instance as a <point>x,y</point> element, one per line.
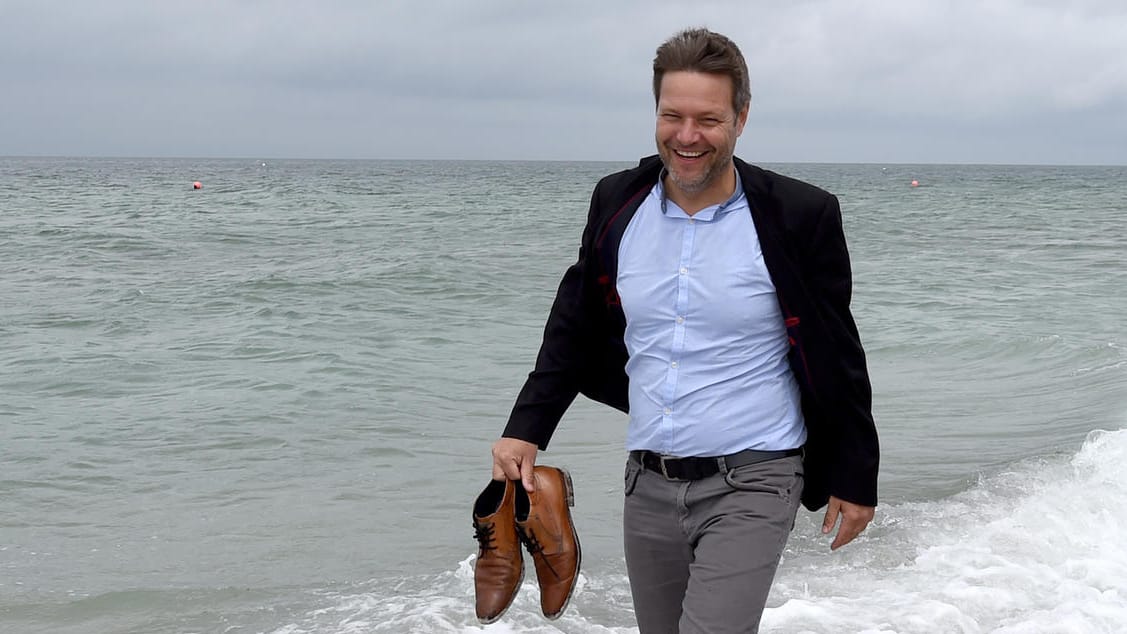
<point>999,81</point>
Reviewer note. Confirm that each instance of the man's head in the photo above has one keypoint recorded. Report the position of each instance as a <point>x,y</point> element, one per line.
<point>702,94</point>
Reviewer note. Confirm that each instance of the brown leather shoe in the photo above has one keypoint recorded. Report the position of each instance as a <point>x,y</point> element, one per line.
<point>547,531</point>
<point>499,568</point>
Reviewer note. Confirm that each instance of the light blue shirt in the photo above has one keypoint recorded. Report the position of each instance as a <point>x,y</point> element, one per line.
<point>708,365</point>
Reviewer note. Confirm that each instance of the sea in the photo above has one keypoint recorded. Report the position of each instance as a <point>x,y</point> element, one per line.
<point>266,405</point>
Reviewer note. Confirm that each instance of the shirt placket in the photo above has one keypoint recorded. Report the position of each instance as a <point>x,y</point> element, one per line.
<point>677,346</point>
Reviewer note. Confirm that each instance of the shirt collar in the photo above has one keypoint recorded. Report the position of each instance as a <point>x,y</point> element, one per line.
<point>670,208</point>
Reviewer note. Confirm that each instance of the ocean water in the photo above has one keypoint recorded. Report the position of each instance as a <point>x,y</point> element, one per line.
<point>267,405</point>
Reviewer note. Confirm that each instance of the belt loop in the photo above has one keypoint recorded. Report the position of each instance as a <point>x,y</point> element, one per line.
<point>723,464</point>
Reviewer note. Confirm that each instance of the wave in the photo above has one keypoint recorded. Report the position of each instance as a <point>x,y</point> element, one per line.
<point>1036,548</point>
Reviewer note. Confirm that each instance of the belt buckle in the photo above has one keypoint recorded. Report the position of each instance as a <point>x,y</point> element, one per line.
<point>664,470</point>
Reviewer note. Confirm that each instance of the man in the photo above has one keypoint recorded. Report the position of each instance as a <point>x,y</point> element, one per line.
<point>710,300</point>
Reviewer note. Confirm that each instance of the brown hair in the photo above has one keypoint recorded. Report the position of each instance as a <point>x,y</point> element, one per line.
<point>703,51</point>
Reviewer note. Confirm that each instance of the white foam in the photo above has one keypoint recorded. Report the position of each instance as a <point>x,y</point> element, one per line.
<point>1039,548</point>
<point>444,605</point>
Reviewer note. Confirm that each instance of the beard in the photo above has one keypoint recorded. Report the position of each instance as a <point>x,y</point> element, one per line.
<point>697,181</point>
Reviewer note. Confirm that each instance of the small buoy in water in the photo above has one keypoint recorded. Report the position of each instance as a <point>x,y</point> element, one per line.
<point>197,185</point>
<point>915,183</point>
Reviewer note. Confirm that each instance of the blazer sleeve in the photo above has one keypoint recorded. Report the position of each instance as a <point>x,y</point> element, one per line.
<point>555,380</point>
<point>856,453</point>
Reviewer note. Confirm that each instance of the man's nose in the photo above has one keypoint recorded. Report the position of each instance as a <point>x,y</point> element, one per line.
<point>688,132</point>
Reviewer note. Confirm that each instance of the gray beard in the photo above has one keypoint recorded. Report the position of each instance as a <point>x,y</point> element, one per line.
<point>693,187</point>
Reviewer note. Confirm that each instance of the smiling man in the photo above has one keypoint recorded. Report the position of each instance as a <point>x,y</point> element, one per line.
<point>710,300</point>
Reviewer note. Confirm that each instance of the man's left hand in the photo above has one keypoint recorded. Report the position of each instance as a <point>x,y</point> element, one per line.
<point>854,519</point>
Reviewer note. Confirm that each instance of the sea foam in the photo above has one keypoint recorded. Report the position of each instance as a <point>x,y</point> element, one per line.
<point>1037,548</point>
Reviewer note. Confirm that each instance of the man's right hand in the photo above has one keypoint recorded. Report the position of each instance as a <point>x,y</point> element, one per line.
<point>513,459</point>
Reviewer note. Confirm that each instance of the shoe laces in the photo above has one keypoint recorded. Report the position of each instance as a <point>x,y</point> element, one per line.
<point>528,538</point>
<point>484,534</point>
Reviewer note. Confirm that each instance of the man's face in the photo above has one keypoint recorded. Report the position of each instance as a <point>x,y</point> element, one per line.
<point>697,129</point>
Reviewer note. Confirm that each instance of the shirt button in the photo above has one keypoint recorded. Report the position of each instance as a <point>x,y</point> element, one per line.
<point>680,319</point>
<point>692,220</point>
<point>667,411</point>
<point>673,365</point>
<point>684,271</point>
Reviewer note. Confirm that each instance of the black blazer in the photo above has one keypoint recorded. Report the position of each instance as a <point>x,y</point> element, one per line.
<point>800,233</point>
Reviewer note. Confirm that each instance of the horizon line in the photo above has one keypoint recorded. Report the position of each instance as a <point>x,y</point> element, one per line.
<point>526,160</point>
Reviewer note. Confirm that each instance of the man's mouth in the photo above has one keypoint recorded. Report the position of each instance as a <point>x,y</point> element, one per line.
<point>688,155</point>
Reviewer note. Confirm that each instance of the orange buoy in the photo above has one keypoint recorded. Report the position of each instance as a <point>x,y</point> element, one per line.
<point>915,183</point>
<point>197,185</point>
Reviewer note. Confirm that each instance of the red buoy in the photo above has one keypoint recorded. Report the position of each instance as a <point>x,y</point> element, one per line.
<point>197,185</point>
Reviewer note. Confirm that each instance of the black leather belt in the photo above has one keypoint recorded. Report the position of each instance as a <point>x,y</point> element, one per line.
<point>696,468</point>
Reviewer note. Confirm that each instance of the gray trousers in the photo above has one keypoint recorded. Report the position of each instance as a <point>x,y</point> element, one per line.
<point>701,555</point>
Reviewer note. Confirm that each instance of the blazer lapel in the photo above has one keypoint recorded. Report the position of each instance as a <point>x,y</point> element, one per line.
<point>770,227</point>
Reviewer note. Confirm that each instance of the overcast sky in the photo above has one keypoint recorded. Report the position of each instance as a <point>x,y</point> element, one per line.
<point>985,81</point>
